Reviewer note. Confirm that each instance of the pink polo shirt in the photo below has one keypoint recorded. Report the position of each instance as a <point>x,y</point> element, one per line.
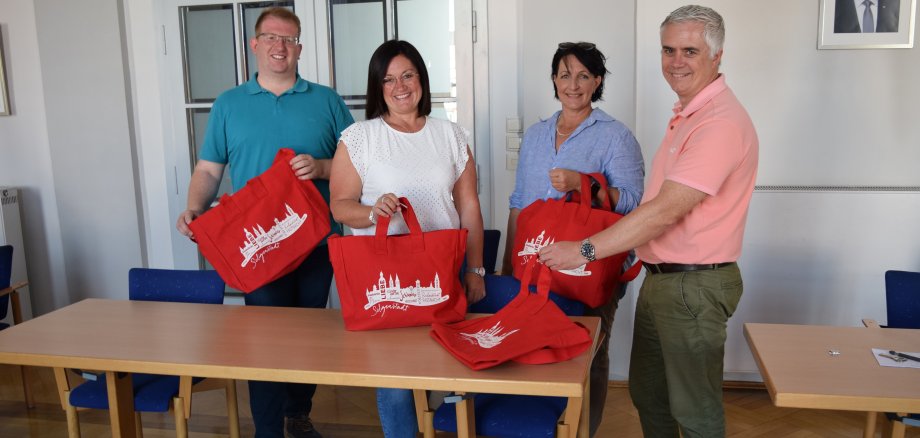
<point>712,147</point>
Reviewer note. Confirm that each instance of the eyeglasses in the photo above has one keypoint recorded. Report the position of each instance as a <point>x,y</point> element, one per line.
<point>271,39</point>
<point>406,78</point>
<point>581,45</point>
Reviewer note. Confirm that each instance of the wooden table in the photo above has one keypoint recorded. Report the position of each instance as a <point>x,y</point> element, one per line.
<point>272,344</point>
<point>799,371</point>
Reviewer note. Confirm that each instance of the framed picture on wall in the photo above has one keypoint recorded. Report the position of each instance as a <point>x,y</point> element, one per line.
<point>4,96</point>
<point>866,24</point>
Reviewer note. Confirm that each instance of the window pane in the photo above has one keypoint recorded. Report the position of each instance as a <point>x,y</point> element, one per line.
<point>357,112</point>
<point>198,124</point>
<point>209,55</point>
<point>429,26</point>
<point>357,30</point>
<point>444,110</point>
<point>251,12</point>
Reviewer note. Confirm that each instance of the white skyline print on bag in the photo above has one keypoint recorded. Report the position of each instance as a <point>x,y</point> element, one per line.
<point>533,246</point>
<point>415,295</point>
<point>488,338</point>
<point>259,242</point>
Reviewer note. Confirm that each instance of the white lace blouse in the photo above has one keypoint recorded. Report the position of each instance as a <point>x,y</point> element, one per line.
<point>422,166</point>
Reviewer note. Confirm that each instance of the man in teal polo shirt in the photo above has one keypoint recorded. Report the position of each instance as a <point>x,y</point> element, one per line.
<point>246,128</point>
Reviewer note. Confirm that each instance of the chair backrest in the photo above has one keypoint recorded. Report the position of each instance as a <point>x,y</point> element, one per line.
<point>902,296</point>
<point>500,290</point>
<point>6,273</point>
<point>175,285</point>
<point>490,240</point>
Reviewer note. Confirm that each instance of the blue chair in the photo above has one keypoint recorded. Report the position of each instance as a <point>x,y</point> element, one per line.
<point>902,299</point>
<point>490,239</point>
<point>500,415</point>
<point>156,393</point>
<point>9,298</point>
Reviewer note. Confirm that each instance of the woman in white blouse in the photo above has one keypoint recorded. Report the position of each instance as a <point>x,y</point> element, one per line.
<point>400,151</point>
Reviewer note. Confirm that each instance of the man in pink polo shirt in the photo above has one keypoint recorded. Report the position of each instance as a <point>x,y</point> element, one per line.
<point>688,231</point>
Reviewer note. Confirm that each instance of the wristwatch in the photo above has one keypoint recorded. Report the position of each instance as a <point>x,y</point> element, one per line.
<point>587,250</point>
<point>480,271</point>
<point>371,217</point>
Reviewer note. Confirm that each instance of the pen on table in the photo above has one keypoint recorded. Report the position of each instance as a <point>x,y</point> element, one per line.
<point>905,356</point>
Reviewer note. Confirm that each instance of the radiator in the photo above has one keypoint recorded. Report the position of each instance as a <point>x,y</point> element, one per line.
<point>11,234</point>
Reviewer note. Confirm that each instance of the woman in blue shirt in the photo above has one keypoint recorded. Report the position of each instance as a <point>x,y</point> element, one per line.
<point>579,139</point>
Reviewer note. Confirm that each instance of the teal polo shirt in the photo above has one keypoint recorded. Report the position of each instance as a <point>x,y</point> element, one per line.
<point>249,124</point>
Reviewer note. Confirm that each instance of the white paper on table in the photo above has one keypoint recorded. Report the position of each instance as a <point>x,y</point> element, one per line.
<point>886,362</point>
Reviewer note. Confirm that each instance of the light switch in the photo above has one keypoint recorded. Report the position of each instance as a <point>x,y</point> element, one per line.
<point>513,125</point>
<point>512,143</point>
<point>511,161</point>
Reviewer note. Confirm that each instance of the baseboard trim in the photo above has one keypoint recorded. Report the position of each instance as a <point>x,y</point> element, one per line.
<point>727,384</point>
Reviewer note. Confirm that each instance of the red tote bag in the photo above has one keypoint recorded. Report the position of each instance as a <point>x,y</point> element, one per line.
<point>547,221</point>
<point>264,230</point>
<point>530,329</point>
<point>403,280</point>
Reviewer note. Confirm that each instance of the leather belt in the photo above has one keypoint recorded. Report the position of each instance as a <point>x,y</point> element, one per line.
<point>670,268</point>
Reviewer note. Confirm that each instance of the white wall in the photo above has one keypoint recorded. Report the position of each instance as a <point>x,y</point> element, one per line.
<point>25,156</point>
<point>69,145</point>
<point>145,50</point>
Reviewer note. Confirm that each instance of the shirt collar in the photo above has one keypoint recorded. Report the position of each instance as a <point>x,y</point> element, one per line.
<point>597,115</point>
<point>253,87</point>
<point>702,98</point>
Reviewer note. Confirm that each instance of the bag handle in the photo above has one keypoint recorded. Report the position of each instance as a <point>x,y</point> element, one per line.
<point>231,208</point>
<point>284,175</point>
<point>544,281</point>
<point>584,197</point>
<point>415,230</point>
<point>606,202</point>
<point>631,273</point>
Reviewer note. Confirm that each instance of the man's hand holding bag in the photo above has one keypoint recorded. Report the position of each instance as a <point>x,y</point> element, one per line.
<point>555,220</point>
<point>266,229</point>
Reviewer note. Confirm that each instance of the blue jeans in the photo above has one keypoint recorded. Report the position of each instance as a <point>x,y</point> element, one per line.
<point>306,286</point>
<point>396,408</point>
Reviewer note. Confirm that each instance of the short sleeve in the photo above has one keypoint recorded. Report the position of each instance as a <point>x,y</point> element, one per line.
<point>355,139</point>
<point>462,140</point>
<point>215,148</point>
<point>343,118</point>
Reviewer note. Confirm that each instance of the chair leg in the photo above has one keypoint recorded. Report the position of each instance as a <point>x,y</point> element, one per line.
<point>233,412</point>
<point>179,414</point>
<point>423,413</point>
<point>898,429</point>
<point>26,388</point>
<point>73,421</point>
<point>871,419</point>
<point>466,417</point>
<point>138,426</point>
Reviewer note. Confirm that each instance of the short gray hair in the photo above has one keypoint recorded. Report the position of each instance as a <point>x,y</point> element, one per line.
<point>713,25</point>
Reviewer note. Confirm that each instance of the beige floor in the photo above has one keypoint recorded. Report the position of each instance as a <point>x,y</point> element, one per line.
<point>341,412</point>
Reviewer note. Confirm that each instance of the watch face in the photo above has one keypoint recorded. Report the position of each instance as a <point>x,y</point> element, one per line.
<point>587,250</point>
